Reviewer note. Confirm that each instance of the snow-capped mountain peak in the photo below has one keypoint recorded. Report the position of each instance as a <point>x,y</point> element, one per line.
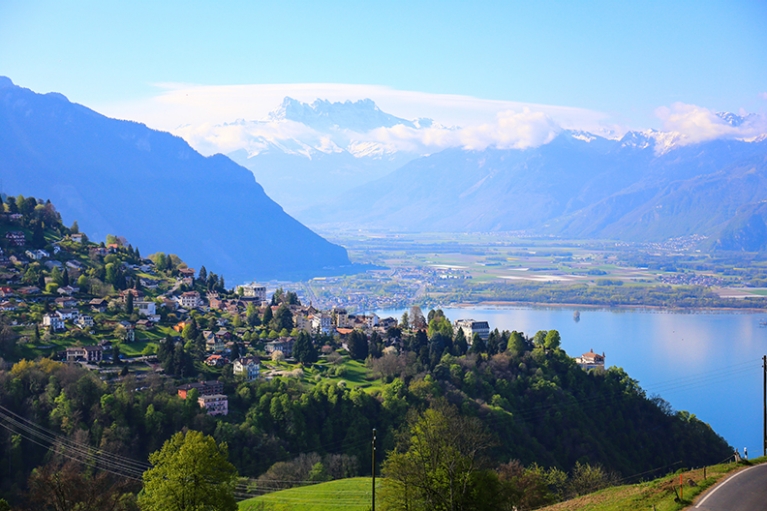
<point>358,116</point>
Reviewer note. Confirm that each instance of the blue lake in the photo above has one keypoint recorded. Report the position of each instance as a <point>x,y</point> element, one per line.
<point>708,363</point>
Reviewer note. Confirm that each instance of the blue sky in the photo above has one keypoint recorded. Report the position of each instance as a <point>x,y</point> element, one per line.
<point>624,59</point>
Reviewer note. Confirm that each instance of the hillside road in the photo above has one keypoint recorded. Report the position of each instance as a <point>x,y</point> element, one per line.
<point>745,490</point>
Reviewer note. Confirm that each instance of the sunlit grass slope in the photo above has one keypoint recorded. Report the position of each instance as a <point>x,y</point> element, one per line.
<point>344,494</point>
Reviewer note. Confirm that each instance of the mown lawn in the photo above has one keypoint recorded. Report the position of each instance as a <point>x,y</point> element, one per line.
<point>344,494</point>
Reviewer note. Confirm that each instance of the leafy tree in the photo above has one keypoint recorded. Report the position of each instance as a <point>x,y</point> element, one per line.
<point>417,321</point>
<point>439,324</point>
<point>358,345</point>
<point>56,276</point>
<point>552,340</point>
<point>70,487</point>
<point>304,350</point>
<point>12,206</point>
<point>405,321</point>
<point>438,463</point>
<point>190,473</point>
<point>517,344</point>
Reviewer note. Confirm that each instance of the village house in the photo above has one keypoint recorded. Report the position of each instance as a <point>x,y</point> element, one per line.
<point>214,301</point>
<point>65,302</point>
<point>98,304</point>
<point>189,299</point>
<point>52,263</point>
<point>247,367</point>
<point>216,404</point>
<point>53,322</point>
<point>85,353</point>
<point>68,290</point>
<point>37,255</point>
<point>16,238</point>
<point>7,306</point>
<point>67,314</point>
<point>591,360</point>
<point>186,272</point>
<point>148,283</point>
<point>145,308</point>
<point>216,360</point>
<point>75,265</point>
<point>213,342</point>
<point>84,321</point>
<point>144,324</point>
<point>76,237</point>
<point>204,388</point>
<point>137,295</point>
<point>283,344</point>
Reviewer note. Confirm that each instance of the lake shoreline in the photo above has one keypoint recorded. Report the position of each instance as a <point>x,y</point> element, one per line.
<point>649,308</point>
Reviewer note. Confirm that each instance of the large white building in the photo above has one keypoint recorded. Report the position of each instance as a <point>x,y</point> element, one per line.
<point>471,327</point>
<point>215,404</point>
<point>254,291</point>
<point>247,367</point>
<point>322,323</point>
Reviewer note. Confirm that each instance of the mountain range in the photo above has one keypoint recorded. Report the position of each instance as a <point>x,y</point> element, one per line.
<point>341,165</point>
<point>576,186</point>
<point>120,177</point>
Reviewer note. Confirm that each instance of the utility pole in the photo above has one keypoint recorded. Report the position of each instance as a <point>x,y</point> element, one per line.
<point>764,404</point>
<point>373,508</point>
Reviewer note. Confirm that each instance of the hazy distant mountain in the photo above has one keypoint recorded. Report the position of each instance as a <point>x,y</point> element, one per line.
<point>305,154</point>
<point>641,187</point>
<point>122,178</point>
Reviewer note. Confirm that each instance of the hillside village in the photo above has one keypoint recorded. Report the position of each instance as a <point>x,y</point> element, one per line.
<point>107,307</point>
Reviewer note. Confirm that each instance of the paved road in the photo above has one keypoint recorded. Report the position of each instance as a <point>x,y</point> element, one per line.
<point>743,491</point>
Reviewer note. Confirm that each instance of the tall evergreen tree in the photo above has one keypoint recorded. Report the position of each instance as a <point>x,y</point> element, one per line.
<point>304,350</point>
<point>477,345</point>
<point>358,345</point>
<point>268,316</point>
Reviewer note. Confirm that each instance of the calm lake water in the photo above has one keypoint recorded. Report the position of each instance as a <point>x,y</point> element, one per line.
<point>708,363</point>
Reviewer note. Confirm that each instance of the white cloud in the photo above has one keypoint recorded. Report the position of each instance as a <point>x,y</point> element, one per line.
<point>692,124</point>
<point>763,95</point>
<point>200,115</point>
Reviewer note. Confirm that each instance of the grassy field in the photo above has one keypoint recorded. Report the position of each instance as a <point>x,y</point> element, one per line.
<point>344,494</point>
<point>658,494</point>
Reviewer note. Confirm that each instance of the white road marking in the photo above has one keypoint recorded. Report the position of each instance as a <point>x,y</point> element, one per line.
<point>722,484</point>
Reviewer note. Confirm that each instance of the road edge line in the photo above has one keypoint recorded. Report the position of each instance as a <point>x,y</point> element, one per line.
<point>722,484</point>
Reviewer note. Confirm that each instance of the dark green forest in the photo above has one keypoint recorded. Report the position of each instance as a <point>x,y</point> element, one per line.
<point>539,406</point>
